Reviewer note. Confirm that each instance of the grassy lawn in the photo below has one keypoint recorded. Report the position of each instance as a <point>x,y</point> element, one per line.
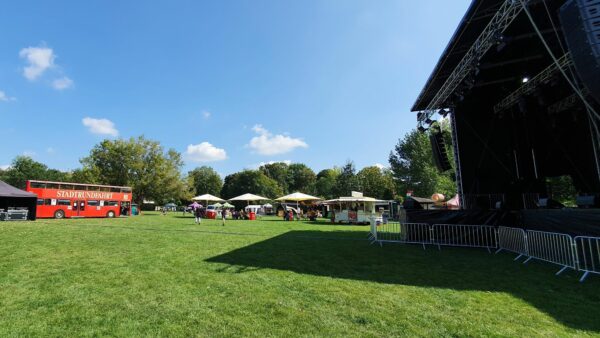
<point>163,275</point>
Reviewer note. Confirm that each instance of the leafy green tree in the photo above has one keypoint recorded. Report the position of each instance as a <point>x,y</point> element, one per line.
<point>376,182</point>
<point>277,171</point>
<point>205,180</point>
<point>141,164</point>
<point>301,178</point>
<point>24,168</point>
<point>85,175</point>
<point>326,180</point>
<point>346,182</point>
<point>250,181</point>
<point>412,166</point>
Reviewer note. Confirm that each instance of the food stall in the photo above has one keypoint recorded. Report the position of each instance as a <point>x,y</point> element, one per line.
<point>356,209</point>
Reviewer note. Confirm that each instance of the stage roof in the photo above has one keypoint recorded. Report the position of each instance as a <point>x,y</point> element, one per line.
<point>475,20</point>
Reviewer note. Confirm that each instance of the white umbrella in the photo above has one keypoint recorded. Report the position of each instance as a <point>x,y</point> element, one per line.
<point>298,197</point>
<point>207,198</point>
<point>249,197</point>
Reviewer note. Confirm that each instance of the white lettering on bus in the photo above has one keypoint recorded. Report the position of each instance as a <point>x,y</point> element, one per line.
<point>84,194</point>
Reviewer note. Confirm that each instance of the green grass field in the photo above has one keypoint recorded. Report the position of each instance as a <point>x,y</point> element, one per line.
<point>158,275</point>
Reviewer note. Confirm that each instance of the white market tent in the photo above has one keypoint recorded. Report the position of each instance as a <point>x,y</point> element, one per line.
<point>208,198</point>
<point>249,197</point>
<point>298,197</point>
<point>353,209</point>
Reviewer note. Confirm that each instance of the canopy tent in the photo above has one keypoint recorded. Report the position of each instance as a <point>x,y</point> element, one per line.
<point>298,197</point>
<point>249,197</point>
<point>217,205</point>
<point>11,197</point>
<point>208,198</point>
<point>227,205</point>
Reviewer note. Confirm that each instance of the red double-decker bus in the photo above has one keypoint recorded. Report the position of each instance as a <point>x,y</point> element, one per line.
<point>61,199</point>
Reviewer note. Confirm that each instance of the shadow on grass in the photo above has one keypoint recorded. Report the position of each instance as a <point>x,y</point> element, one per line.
<point>572,303</point>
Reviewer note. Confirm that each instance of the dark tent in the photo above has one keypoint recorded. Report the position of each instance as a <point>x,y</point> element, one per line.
<point>11,197</point>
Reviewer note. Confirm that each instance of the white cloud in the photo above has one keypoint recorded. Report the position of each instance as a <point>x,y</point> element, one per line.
<point>29,153</point>
<point>100,126</point>
<point>39,59</point>
<point>380,166</point>
<point>6,98</point>
<point>206,114</point>
<point>4,166</point>
<point>50,150</point>
<point>62,83</point>
<point>258,165</point>
<point>268,144</point>
<point>205,152</point>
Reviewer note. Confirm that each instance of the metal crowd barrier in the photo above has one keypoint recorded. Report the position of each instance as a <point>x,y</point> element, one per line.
<point>513,240</point>
<point>581,253</point>
<point>552,247</point>
<point>474,236</point>
<point>405,233</point>
<point>588,255</point>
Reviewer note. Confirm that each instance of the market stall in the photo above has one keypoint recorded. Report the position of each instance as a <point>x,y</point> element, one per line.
<point>356,209</point>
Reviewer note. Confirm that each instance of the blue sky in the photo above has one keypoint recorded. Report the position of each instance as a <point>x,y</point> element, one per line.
<point>229,84</point>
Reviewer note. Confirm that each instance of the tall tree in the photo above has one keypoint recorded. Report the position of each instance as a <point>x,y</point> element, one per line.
<point>277,171</point>
<point>376,182</point>
<point>205,180</point>
<point>326,180</point>
<point>346,182</point>
<point>24,168</point>
<point>412,166</point>
<point>250,181</point>
<point>141,164</point>
<point>301,178</point>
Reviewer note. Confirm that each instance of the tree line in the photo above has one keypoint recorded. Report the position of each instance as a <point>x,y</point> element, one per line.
<point>155,174</point>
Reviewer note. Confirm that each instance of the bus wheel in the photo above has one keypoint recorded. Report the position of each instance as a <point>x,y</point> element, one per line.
<point>59,214</point>
<point>110,214</point>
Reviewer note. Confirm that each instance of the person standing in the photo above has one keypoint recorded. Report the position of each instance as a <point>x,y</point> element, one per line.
<point>223,216</point>
<point>198,214</point>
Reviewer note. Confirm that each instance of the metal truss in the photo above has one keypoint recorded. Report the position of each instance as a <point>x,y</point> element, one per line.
<point>567,103</point>
<point>530,86</point>
<point>488,38</point>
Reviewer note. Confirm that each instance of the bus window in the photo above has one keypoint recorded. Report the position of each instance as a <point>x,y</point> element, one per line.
<point>115,189</point>
<point>51,186</point>
<point>112,203</point>
<point>37,185</point>
<point>63,202</point>
<point>66,186</point>
<point>47,201</point>
<point>40,201</point>
<point>105,189</point>
<point>93,203</point>
<point>127,190</point>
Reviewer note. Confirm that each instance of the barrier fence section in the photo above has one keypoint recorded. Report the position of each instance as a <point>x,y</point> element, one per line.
<point>406,233</point>
<point>513,240</point>
<point>474,236</point>
<point>588,255</point>
<point>553,248</point>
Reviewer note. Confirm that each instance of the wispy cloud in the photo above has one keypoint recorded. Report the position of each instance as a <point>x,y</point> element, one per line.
<point>206,114</point>
<point>6,98</point>
<point>380,166</point>
<point>100,126</point>
<point>4,166</point>
<point>38,59</point>
<point>265,143</point>
<point>50,150</point>
<point>29,153</point>
<point>62,83</point>
<point>205,152</point>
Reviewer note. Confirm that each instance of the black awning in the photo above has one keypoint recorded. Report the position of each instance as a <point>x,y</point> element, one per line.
<point>7,190</point>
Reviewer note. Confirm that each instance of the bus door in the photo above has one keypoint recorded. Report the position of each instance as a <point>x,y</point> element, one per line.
<point>78,208</point>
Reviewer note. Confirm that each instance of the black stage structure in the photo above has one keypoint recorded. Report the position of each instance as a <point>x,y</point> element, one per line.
<point>520,83</point>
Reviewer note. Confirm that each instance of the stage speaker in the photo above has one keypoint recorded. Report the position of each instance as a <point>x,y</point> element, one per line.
<point>440,155</point>
<point>580,21</point>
